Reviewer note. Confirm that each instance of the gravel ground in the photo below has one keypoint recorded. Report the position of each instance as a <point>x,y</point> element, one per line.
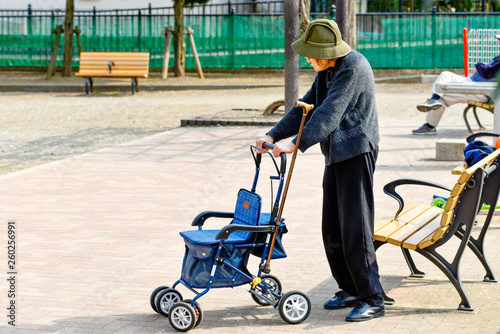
<point>41,127</point>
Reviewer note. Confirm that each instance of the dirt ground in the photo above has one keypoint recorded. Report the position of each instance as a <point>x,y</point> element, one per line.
<point>41,127</point>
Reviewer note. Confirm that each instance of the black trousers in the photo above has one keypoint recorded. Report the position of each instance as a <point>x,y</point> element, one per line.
<point>347,226</point>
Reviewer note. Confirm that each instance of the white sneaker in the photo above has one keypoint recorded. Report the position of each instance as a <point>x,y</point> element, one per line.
<point>430,104</point>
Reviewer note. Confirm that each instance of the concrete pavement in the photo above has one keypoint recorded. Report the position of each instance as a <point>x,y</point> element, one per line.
<point>98,232</point>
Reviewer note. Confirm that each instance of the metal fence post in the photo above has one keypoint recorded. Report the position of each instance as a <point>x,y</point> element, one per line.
<point>29,31</point>
<point>52,21</point>
<point>139,30</point>
<point>150,23</point>
<point>433,27</point>
<point>94,23</point>
<point>232,36</point>
<point>29,21</point>
<point>117,29</point>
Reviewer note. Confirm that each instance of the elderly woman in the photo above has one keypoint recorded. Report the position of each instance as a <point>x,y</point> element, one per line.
<point>345,124</point>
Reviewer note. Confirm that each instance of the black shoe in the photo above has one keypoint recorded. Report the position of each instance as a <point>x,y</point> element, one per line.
<point>342,299</point>
<point>425,129</point>
<point>430,104</point>
<point>364,311</point>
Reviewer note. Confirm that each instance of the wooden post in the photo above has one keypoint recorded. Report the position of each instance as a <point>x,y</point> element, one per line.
<point>77,31</point>
<point>51,71</point>
<point>166,51</point>
<point>195,53</point>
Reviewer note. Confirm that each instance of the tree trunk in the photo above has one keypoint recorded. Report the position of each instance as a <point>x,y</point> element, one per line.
<point>305,10</point>
<point>179,43</point>
<point>341,18</point>
<point>291,9</point>
<point>68,39</point>
<point>351,26</point>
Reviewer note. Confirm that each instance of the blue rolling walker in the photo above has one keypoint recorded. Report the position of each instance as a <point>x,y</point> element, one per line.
<point>218,258</point>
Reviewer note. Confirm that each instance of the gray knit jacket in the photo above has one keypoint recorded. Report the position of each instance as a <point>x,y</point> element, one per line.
<point>344,120</point>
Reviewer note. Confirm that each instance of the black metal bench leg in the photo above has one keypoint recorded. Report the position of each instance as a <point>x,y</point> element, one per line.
<point>415,273</point>
<point>91,85</point>
<point>388,300</point>
<point>477,247</point>
<point>451,271</point>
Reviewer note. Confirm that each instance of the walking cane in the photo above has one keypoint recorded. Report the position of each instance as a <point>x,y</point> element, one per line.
<point>305,109</point>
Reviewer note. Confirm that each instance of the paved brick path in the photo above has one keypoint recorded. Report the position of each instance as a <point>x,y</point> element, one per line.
<point>97,233</point>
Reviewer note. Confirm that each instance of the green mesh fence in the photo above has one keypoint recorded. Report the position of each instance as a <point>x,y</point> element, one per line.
<point>241,42</point>
<point>420,42</point>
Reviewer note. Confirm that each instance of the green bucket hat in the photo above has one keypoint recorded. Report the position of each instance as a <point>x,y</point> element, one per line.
<point>321,40</point>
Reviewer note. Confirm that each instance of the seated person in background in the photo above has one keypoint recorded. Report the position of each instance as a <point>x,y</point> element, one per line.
<point>438,102</point>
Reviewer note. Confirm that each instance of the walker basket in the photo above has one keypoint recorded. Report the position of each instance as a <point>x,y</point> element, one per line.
<point>199,259</point>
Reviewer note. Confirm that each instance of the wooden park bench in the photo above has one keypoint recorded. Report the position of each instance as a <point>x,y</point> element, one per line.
<point>474,88</point>
<point>133,65</point>
<point>424,228</point>
<point>472,105</point>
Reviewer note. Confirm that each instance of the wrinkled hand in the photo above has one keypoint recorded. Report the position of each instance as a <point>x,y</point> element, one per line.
<point>283,148</point>
<point>260,142</point>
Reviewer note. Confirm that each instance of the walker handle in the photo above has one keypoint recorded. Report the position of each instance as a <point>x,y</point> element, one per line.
<point>268,145</point>
<point>282,169</point>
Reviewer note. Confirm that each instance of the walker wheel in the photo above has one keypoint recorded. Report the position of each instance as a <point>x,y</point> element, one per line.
<point>166,299</point>
<point>294,307</point>
<point>182,317</point>
<point>197,310</point>
<point>273,284</point>
<point>154,296</point>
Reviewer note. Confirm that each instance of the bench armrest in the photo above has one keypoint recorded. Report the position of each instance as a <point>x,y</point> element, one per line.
<point>200,219</point>
<point>473,137</point>
<point>390,189</point>
<point>228,229</point>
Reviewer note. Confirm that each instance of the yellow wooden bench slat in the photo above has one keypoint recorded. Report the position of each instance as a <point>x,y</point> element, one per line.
<point>458,170</point>
<point>431,239</point>
<point>139,65</point>
<point>143,69</point>
<point>383,233</point>
<point>446,218</point>
<point>457,189</point>
<point>451,203</point>
<point>104,73</point>
<point>114,54</point>
<point>117,57</point>
<point>88,60</point>
<point>390,216</point>
<point>403,233</point>
<point>428,230</point>
<point>483,105</point>
<point>106,60</point>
